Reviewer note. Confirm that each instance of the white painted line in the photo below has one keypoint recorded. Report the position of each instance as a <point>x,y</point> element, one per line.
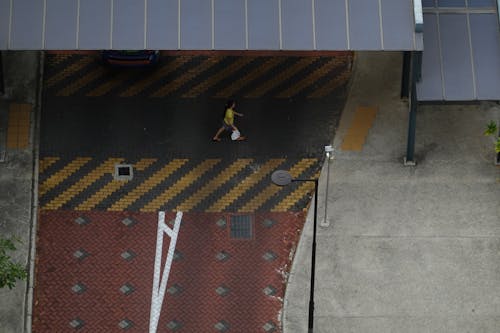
<point>160,282</point>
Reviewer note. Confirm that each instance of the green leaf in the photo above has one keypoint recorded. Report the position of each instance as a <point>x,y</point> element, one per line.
<point>491,128</point>
<point>10,271</point>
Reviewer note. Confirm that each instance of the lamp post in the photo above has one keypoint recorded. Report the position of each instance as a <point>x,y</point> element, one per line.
<point>329,157</point>
<point>283,178</point>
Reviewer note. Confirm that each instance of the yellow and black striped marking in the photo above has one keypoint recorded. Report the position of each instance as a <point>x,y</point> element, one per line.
<point>208,185</point>
<point>191,76</point>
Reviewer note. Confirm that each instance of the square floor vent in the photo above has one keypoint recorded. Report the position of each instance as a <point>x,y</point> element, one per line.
<point>123,172</point>
<point>241,227</point>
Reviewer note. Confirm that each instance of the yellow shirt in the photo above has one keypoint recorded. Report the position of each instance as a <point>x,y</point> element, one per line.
<point>229,117</point>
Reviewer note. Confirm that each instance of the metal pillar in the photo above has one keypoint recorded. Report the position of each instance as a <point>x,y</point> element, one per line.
<point>283,178</point>
<point>415,74</point>
<point>313,261</point>
<point>405,79</point>
<point>329,157</point>
<point>2,85</point>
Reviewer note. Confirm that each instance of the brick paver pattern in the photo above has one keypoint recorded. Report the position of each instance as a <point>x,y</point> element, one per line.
<point>96,237</point>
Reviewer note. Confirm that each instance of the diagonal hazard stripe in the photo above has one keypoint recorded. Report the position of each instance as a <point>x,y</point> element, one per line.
<point>281,77</point>
<point>83,183</point>
<point>81,82</point>
<point>272,189</point>
<point>221,75</point>
<point>180,185</point>
<point>260,199</point>
<point>245,185</point>
<point>112,186</point>
<point>147,185</point>
<point>46,162</point>
<point>186,77</point>
<point>294,197</point>
<point>214,184</point>
<point>104,88</point>
<point>166,69</point>
<point>309,79</point>
<point>56,59</point>
<point>334,83</point>
<point>62,174</point>
<point>252,76</point>
<point>69,70</point>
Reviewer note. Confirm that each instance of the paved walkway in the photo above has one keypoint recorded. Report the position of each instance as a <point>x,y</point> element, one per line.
<point>17,119</point>
<point>408,249</point>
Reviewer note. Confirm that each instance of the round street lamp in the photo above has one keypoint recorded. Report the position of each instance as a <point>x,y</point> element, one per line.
<point>283,178</point>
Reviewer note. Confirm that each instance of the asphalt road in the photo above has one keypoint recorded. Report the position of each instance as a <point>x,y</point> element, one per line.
<point>293,108</point>
<point>184,127</point>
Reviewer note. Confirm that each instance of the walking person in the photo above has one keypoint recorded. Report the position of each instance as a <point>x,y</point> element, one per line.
<point>228,123</point>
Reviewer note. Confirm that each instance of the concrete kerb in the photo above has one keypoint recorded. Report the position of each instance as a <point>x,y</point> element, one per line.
<point>296,315</point>
<point>35,130</point>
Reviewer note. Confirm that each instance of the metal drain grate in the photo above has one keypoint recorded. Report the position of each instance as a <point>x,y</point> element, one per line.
<point>241,227</point>
<point>123,172</point>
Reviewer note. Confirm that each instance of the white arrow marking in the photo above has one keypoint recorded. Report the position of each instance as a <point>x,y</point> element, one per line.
<point>159,285</point>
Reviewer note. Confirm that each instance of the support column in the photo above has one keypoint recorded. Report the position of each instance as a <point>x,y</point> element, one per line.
<point>415,74</point>
<point>2,85</point>
<point>405,79</point>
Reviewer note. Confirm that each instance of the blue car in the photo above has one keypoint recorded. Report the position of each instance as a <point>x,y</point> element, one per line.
<point>139,58</point>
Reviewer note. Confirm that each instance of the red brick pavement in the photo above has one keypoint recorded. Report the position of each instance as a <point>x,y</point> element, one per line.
<point>197,307</point>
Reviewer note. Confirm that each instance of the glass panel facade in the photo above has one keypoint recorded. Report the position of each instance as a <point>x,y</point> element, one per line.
<point>428,3</point>
<point>459,3</point>
<point>481,3</point>
<point>451,3</point>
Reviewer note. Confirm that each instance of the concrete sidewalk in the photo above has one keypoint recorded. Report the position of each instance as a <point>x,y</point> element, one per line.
<point>18,186</point>
<point>408,249</point>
